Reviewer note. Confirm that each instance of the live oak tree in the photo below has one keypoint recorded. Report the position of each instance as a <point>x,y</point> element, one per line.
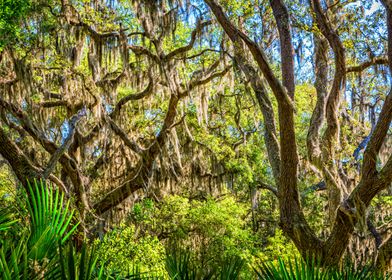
<point>347,207</point>
<point>112,100</point>
<point>63,93</point>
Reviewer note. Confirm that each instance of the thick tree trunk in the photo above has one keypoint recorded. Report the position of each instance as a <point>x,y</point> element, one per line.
<point>21,165</point>
<point>384,257</point>
<point>352,210</point>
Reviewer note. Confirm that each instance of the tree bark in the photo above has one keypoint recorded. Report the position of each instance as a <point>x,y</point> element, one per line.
<point>353,209</point>
<point>292,219</point>
<point>384,256</point>
<point>21,165</point>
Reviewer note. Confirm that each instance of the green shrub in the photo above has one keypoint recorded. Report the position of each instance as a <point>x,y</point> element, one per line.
<point>122,249</point>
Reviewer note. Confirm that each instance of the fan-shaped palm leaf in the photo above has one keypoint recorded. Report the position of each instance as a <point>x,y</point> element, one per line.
<point>49,219</point>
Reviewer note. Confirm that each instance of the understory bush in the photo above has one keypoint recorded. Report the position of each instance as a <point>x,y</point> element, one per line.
<point>208,240</point>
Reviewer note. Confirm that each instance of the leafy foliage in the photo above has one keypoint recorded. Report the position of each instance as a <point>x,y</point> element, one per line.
<point>204,178</point>
<point>29,251</point>
<point>12,13</point>
<point>50,219</point>
<point>300,269</point>
<point>123,249</point>
<point>42,247</point>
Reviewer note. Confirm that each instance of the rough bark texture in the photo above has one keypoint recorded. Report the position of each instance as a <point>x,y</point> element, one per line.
<point>318,116</point>
<point>292,218</point>
<point>20,164</point>
<point>347,211</point>
<point>384,257</point>
<point>330,145</point>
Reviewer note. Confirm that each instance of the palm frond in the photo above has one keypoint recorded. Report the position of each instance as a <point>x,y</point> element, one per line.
<point>50,219</point>
<point>6,219</point>
<point>311,269</point>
